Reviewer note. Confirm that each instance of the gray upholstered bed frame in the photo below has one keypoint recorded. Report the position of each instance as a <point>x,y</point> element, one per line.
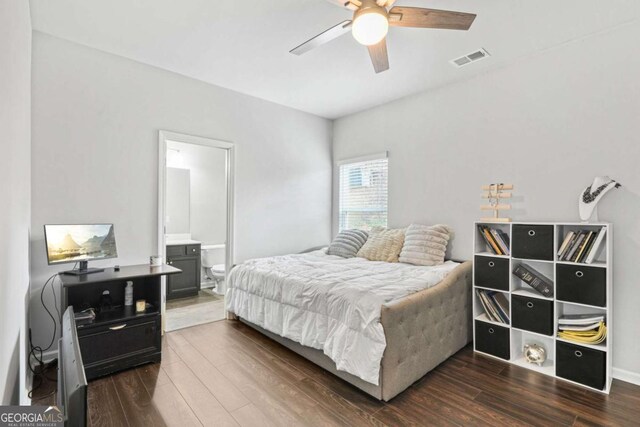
<point>422,331</point>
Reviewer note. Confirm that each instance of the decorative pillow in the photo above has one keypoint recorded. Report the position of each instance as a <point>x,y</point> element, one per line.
<point>425,245</point>
<point>347,243</point>
<point>383,245</point>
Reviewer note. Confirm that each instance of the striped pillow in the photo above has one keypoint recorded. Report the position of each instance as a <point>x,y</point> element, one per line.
<point>347,243</point>
<point>425,245</point>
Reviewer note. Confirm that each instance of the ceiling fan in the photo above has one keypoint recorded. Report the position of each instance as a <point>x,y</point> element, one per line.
<point>371,21</point>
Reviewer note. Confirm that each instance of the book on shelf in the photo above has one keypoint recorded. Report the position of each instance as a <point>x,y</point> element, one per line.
<point>574,247</point>
<point>495,305</point>
<point>489,310</point>
<point>493,246</point>
<point>505,238</point>
<point>502,303</point>
<point>587,247</point>
<point>565,244</point>
<point>587,238</point>
<point>582,246</point>
<point>499,301</point>
<point>581,319</point>
<point>579,327</point>
<point>596,335</point>
<point>497,240</point>
<point>597,246</point>
<point>535,279</point>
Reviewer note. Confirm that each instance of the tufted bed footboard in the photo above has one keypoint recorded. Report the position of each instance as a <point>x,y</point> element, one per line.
<point>425,329</point>
<point>422,331</point>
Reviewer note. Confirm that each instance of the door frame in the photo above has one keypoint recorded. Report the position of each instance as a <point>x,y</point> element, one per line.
<point>163,137</point>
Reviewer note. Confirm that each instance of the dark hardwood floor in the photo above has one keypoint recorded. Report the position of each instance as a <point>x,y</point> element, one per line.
<point>226,374</point>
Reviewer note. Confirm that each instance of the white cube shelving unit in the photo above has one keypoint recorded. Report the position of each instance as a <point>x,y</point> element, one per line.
<point>574,357</point>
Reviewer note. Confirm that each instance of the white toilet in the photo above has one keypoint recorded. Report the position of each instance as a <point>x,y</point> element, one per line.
<point>213,263</point>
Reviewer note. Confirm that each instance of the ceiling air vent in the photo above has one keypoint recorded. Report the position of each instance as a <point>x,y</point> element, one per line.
<point>469,58</point>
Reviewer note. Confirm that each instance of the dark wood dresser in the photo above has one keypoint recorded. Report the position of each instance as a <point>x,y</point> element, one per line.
<point>118,338</point>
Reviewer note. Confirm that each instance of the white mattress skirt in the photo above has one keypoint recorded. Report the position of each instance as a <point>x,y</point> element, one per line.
<point>327,302</point>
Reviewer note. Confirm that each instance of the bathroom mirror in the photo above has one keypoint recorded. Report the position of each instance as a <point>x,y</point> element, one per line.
<point>178,201</point>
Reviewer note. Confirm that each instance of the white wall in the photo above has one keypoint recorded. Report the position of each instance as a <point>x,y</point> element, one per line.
<point>178,201</point>
<point>96,118</point>
<point>208,191</point>
<point>547,124</point>
<point>15,123</point>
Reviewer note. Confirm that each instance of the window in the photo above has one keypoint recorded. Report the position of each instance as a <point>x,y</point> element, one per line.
<point>363,193</point>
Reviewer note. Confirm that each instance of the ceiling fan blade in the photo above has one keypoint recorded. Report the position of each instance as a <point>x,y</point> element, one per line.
<point>322,38</point>
<point>418,17</point>
<point>379,56</point>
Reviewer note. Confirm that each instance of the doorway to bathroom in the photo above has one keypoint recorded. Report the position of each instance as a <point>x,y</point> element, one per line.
<point>195,223</point>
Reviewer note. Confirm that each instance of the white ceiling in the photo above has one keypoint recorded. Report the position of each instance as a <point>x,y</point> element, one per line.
<point>244,45</point>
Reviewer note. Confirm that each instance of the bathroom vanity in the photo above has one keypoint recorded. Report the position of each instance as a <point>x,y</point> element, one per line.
<point>184,255</point>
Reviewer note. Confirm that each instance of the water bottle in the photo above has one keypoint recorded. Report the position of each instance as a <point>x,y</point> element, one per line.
<point>128,294</point>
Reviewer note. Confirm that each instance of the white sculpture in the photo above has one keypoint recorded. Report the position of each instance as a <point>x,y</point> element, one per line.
<point>589,198</point>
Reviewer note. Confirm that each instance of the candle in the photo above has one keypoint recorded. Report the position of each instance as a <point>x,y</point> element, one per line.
<point>141,306</point>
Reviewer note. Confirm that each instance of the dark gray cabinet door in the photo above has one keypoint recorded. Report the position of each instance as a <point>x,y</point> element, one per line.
<point>186,283</point>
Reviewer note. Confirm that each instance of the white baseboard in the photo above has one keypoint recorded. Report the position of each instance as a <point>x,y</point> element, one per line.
<point>47,357</point>
<point>627,376</point>
<point>25,400</point>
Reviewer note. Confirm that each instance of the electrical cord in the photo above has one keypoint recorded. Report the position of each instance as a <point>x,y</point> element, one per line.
<point>40,371</point>
<point>55,301</point>
<point>53,337</point>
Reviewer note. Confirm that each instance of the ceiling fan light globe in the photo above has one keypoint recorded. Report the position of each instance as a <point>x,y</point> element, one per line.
<point>370,28</point>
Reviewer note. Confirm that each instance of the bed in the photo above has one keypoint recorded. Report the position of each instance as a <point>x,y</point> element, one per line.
<point>379,326</point>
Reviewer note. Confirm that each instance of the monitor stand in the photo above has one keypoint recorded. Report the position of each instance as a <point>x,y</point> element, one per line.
<point>82,270</point>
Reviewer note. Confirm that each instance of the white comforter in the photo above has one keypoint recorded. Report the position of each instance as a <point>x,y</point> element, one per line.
<point>327,302</point>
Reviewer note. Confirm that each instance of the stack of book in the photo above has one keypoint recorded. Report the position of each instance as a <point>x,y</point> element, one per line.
<point>583,328</point>
<point>535,279</point>
<point>495,305</point>
<point>496,239</point>
<point>582,246</point>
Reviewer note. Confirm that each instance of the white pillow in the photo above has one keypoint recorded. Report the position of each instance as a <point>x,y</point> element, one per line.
<point>382,245</point>
<point>425,245</point>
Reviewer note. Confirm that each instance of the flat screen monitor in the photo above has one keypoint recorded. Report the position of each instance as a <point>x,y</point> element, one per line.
<point>71,243</point>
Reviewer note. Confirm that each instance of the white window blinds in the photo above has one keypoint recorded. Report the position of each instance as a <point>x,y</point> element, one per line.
<point>363,194</point>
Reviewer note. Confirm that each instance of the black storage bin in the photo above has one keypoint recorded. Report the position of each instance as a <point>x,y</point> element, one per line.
<point>581,284</point>
<point>492,339</point>
<point>582,365</point>
<point>532,242</point>
<point>491,272</point>
<point>532,314</point>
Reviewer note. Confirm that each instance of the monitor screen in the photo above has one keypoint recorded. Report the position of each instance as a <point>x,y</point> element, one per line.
<point>80,242</point>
